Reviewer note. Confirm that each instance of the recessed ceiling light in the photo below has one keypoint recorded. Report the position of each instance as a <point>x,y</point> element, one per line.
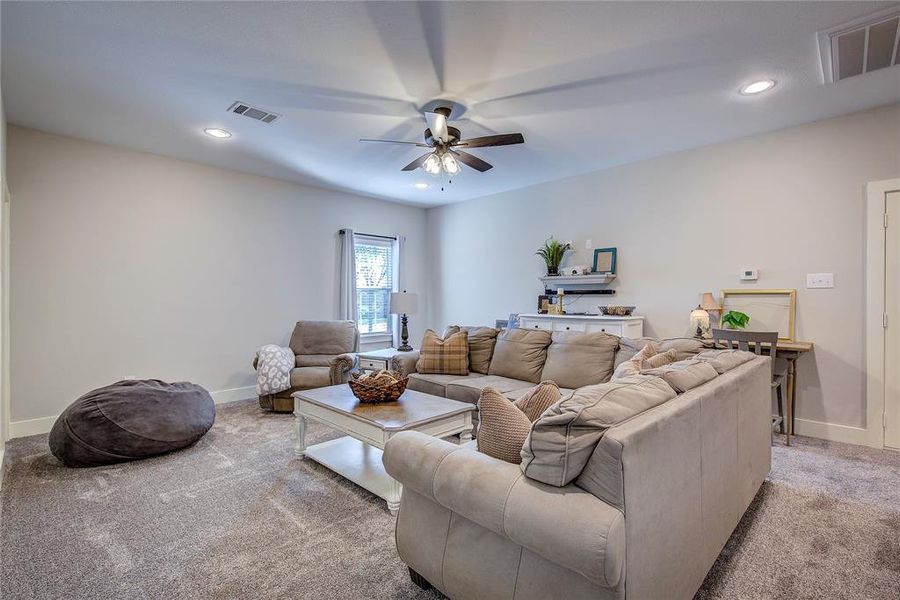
<point>217,133</point>
<point>421,186</point>
<point>758,87</point>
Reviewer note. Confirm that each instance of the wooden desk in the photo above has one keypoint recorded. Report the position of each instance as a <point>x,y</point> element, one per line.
<point>790,351</point>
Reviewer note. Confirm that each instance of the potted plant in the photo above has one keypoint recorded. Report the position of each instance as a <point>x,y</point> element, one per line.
<point>552,252</point>
<point>735,319</point>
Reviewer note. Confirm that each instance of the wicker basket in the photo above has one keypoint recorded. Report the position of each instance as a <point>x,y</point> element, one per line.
<point>368,392</point>
<point>616,311</point>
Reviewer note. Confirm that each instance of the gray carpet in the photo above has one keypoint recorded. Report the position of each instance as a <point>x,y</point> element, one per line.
<point>237,516</point>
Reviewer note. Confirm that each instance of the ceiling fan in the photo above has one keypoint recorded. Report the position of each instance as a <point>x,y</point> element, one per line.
<point>446,145</point>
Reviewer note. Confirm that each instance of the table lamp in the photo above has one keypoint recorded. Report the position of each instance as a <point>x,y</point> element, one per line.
<point>404,303</point>
<point>709,304</point>
<point>700,320</point>
<point>700,315</point>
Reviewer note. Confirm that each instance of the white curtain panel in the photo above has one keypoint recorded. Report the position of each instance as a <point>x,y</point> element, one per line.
<point>347,305</point>
<point>399,283</point>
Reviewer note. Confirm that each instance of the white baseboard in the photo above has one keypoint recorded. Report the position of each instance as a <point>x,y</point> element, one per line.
<point>834,432</point>
<point>41,425</point>
<point>241,393</point>
<point>28,427</point>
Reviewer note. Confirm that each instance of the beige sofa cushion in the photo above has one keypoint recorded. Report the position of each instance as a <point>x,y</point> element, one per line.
<point>576,359</point>
<point>520,354</point>
<point>725,360</point>
<point>481,347</point>
<point>502,427</point>
<point>436,383</point>
<point>562,440</point>
<point>685,375</point>
<point>449,356</point>
<point>514,395</point>
<point>468,390</point>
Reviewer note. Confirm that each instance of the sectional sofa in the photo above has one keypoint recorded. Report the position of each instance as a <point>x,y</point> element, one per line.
<point>628,489</point>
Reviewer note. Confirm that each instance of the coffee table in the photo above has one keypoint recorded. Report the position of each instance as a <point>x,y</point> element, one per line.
<point>357,456</point>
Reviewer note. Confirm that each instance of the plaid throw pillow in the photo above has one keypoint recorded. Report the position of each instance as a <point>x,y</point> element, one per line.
<point>448,356</point>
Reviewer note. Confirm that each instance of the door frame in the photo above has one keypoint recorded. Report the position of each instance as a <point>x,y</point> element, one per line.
<point>875,331</point>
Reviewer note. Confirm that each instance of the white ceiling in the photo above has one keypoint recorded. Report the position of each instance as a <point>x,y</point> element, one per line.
<point>590,85</point>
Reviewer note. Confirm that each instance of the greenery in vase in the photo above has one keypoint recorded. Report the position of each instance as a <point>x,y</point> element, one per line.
<point>735,319</point>
<point>552,252</point>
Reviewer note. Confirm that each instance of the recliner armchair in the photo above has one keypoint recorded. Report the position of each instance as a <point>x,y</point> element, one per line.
<point>325,354</point>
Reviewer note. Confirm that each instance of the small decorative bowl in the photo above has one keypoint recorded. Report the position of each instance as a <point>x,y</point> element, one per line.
<point>376,391</point>
<point>616,311</point>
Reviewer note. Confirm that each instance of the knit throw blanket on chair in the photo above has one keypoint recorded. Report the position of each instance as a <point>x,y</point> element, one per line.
<point>273,369</point>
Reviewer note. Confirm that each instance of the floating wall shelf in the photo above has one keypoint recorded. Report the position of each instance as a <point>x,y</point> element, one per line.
<point>584,284</point>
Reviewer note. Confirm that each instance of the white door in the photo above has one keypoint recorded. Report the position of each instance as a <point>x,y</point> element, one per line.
<point>892,332</point>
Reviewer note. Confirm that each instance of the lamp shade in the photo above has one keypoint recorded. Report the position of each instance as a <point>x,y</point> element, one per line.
<point>708,302</point>
<point>404,303</point>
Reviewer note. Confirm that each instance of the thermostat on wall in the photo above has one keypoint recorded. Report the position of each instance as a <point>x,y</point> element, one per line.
<point>749,274</point>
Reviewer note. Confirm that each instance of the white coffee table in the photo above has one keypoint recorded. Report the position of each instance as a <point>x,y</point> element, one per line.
<point>357,456</point>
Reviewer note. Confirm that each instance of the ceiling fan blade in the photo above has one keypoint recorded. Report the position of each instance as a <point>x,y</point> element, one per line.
<point>437,123</point>
<point>472,161</point>
<point>504,139</point>
<point>417,163</point>
<point>395,142</point>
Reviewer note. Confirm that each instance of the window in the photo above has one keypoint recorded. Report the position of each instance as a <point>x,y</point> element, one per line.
<point>374,282</point>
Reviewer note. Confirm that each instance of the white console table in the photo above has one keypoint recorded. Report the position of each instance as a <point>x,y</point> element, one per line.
<point>630,327</point>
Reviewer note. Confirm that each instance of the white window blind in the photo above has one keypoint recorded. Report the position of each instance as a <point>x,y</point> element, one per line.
<point>374,282</point>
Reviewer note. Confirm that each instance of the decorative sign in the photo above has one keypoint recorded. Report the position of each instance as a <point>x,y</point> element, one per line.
<point>769,310</point>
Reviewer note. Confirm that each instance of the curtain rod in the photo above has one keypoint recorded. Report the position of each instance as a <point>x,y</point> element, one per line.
<point>374,235</point>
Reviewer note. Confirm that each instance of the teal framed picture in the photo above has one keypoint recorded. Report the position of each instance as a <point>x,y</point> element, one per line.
<point>604,261</point>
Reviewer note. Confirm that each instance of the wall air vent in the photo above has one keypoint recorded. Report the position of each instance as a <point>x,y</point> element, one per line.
<point>861,46</point>
<point>252,112</point>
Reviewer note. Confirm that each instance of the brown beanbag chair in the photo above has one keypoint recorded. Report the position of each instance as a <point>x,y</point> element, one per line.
<point>130,420</point>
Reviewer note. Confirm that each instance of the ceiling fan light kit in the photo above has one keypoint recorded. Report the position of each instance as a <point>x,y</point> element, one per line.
<point>445,141</point>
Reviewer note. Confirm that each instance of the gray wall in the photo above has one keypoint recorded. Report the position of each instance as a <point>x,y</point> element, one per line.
<point>126,263</point>
<point>787,203</point>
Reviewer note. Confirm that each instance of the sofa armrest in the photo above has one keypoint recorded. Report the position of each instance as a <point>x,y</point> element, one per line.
<point>341,366</point>
<point>567,526</point>
<point>405,362</point>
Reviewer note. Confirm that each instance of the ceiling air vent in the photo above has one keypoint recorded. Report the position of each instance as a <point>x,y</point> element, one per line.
<point>252,112</point>
<point>861,46</point>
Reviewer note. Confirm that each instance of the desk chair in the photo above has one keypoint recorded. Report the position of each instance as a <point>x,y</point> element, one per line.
<point>756,341</point>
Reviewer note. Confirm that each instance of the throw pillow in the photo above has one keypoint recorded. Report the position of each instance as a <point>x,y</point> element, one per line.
<point>502,428</point>
<point>562,441</point>
<point>634,365</point>
<point>538,399</point>
<point>448,356</point>
<point>660,360</point>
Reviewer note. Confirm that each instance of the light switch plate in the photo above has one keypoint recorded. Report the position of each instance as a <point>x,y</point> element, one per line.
<point>819,280</point>
<point>588,244</point>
